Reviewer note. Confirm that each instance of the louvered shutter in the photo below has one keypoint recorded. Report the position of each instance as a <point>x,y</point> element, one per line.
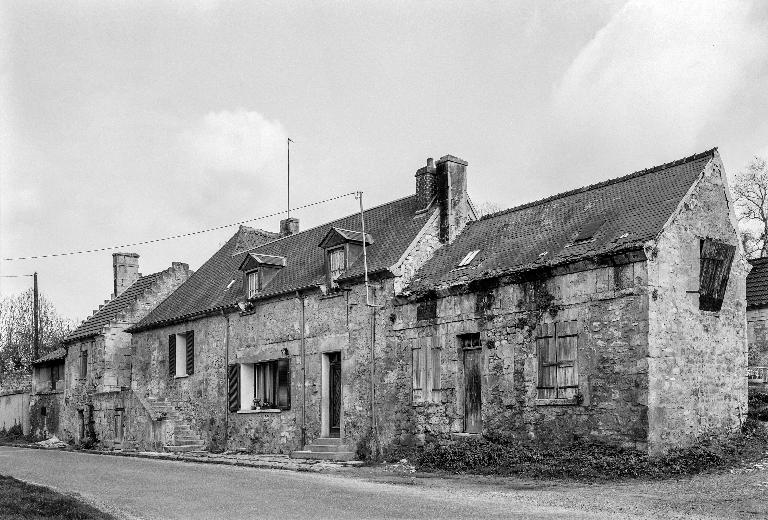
<point>172,355</point>
<point>190,352</point>
<point>435,363</point>
<point>716,259</point>
<point>567,375</point>
<point>416,368</point>
<point>546,350</point>
<point>283,384</point>
<point>233,378</point>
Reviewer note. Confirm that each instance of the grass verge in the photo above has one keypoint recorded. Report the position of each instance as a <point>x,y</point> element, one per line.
<point>585,460</point>
<point>19,500</point>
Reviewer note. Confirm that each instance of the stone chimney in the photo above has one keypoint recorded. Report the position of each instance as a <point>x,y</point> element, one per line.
<point>451,180</point>
<point>426,183</point>
<point>289,226</point>
<point>125,267</point>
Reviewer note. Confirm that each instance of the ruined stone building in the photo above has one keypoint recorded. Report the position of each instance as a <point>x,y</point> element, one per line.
<point>615,311</point>
<point>83,386</point>
<point>757,324</point>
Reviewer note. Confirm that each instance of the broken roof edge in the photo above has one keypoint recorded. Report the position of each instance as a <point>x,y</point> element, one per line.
<point>608,182</point>
<point>529,269</point>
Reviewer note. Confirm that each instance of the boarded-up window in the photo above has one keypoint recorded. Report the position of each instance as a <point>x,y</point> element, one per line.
<point>557,351</point>
<point>233,393</point>
<point>425,363</point>
<point>715,262</point>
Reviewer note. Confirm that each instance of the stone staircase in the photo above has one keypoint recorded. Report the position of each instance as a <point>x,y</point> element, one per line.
<point>325,448</point>
<point>180,436</point>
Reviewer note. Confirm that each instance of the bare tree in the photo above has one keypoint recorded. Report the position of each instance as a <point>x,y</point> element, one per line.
<point>751,193</point>
<point>17,334</point>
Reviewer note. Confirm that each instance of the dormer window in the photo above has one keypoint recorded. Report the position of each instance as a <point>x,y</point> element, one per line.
<point>259,270</point>
<point>343,247</point>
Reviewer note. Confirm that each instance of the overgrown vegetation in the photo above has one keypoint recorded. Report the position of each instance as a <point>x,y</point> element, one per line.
<point>19,500</point>
<point>588,460</point>
<point>11,434</point>
<point>758,406</point>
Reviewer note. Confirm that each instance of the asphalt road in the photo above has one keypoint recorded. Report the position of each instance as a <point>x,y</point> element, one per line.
<point>144,488</point>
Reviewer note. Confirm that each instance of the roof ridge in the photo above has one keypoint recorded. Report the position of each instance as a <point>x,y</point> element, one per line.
<point>327,224</point>
<point>602,184</point>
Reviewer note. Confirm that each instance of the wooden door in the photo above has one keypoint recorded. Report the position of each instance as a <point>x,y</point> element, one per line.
<point>334,394</point>
<point>473,421</point>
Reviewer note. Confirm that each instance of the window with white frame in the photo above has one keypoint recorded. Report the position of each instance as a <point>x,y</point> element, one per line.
<point>254,283</point>
<point>181,354</point>
<point>264,386</point>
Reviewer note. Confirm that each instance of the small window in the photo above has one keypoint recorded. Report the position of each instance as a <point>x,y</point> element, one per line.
<point>181,354</point>
<point>468,258</point>
<point>715,262</point>
<point>83,364</point>
<point>42,411</point>
<point>425,363</point>
<point>254,283</point>
<point>55,375</point>
<point>336,262</point>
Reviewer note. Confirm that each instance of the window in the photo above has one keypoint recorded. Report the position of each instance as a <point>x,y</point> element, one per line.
<point>336,262</point>
<point>181,354</point>
<point>56,372</point>
<point>468,258</point>
<point>265,385</point>
<point>83,363</point>
<point>425,359</point>
<point>715,260</point>
<point>254,283</point>
<point>557,348</point>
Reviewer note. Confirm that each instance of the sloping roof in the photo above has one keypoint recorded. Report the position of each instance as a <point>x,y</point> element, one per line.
<point>757,283</point>
<point>618,215</point>
<point>393,227</point>
<point>93,325</point>
<point>59,353</point>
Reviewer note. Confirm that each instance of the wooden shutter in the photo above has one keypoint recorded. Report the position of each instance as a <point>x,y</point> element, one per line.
<point>190,352</point>
<point>546,350</point>
<point>416,368</point>
<point>172,355</point>
<point>435,363</point>
<point>233,379</point>
<point>283,384</point>
<point>716,259</point>
<point>567,375</point>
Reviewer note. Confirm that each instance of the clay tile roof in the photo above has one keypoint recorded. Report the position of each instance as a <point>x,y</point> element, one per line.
<point>59,353</point>
<point>608,217</point>
<point>93,325</point>
<point>757,283</point>
<point>392,226</point>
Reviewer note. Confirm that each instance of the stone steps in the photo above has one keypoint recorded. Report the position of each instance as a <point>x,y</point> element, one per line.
<point>184,437</point>
<point>325,448</point>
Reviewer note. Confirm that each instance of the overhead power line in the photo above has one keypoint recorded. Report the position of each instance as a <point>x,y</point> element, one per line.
<point>15,275</point>
<point>173,237</point>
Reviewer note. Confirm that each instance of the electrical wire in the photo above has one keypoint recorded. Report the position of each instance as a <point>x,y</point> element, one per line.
<point>182,235</point>
<point>15,275</point>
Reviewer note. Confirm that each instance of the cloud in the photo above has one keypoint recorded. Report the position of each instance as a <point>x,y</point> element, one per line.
<point>657,73</point>
<point>240,141</point>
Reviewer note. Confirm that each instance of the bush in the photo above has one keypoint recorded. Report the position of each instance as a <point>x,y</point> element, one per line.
<point>11,434</point>
<point>583,459</point>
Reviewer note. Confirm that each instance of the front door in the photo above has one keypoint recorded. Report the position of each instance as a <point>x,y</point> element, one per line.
<point>334,397</point>
<point>473,421</point>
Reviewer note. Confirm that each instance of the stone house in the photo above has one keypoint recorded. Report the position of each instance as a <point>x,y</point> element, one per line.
<point>93,369</point>
<point>273,345</point>
<point>614,311</point>
<point>46,402</point>
<point>757,324</point>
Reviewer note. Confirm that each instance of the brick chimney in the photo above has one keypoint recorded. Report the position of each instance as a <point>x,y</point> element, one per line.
<point>289,226</point>
<point>451,180</point>
<point>426,183</point>
<point>125,267</point>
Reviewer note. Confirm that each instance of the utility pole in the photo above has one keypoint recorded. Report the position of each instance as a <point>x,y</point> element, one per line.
<point>289,177</point>
<point>35,320</point>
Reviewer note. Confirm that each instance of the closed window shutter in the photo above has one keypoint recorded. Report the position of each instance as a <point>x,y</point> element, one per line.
<point>716,260</point>
<point>567,375</point>
<point>283,384</point>
<point>172,355</point>
<point>435,363</point>
<point>546,350</point>
<point>233,393</point>
<point>416,364</point>
<point>190,352</point>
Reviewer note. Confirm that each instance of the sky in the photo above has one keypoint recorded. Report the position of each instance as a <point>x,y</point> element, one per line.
<point>122,122</point>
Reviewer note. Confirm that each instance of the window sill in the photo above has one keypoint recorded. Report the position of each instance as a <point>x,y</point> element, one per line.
<point>181,377</point>
<point>263,410</point>
<point>557,402</point>
<point>336,293</point>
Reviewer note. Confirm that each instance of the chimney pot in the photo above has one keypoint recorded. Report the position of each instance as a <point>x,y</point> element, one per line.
<point>289,226</point>
<point>125,269</point>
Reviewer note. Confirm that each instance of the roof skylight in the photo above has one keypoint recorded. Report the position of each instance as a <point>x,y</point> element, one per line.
<point>468,259</point>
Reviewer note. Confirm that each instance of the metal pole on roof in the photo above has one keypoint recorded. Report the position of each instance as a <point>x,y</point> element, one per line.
<point>289,177</point>
<point>35,318</point>
<point>365,253</point>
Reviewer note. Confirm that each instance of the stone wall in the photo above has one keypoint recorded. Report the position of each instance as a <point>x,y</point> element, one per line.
<point>697,358</point>
<point>757,334</point>
<point>14,410</point>
<point>609,306</point>
<point>45,411</point>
